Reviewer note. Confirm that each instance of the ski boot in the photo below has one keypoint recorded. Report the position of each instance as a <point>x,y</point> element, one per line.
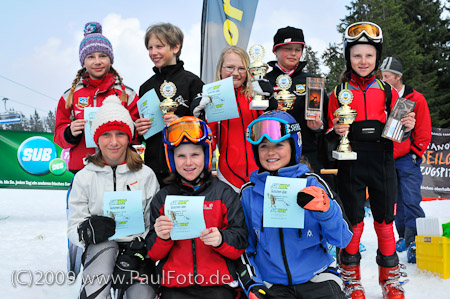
<point>411,253</point>
<point>390,275</point>
<point>351,274</point>
<point>400,245</point>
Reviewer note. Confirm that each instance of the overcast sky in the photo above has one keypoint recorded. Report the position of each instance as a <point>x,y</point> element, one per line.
<point>40,39</point>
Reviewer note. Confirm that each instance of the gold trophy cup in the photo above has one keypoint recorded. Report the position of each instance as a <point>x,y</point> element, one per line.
<point>168,90</point>
<point>346,116</point>
<point>258,70</point>
<point>284,98</point>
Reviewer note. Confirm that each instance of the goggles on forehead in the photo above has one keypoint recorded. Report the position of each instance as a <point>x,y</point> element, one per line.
<point>194,131</point>
<point>371,30</point>
<point>274,129</point>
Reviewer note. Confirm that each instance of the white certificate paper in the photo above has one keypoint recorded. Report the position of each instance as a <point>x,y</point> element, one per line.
<point>125,207</point>
<point>186,213</point>
<point>223,104</point>
<point>148,107</point>
<point>89,114</point>
<point>280,202</point>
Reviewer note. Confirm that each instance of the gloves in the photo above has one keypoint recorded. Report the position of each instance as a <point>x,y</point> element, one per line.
<point>96,229</point>
<point>128,264</point>
<point>258,292</point>
<point>200,109</point>
<point>262,87</point>
<point>313,199</point>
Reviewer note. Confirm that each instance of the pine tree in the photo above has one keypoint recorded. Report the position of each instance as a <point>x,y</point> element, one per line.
<point>334,60</point>
<point>313,63</point>
<point>49,122</point>
<point>36,123</point>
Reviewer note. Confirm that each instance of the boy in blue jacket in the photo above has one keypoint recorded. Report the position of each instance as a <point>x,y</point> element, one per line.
<point>289,262</point>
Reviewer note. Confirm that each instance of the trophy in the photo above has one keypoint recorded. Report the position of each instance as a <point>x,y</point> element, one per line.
<point>346,116</point>
<point>258,70</point>
<point>168,90</point>
<point>284,98</point>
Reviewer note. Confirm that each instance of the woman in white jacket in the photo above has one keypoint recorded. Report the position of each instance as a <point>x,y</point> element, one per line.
<point>115,167</point>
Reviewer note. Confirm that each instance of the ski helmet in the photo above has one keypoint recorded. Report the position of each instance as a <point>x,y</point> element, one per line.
<point>276,126</point>
<point>187,129</point>
<point>363,33</point>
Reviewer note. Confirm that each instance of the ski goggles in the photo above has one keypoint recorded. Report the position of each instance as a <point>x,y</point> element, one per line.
<point>274,129</point>
<point>195,131</point>
<point>371,30</point>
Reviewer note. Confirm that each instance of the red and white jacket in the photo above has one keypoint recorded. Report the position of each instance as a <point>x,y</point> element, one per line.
<point>181,261</point>
<point>421,134</point>
<point>87,93</point>
<point>236,161</point>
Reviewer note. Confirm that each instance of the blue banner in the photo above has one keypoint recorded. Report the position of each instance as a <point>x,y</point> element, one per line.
<point>224,23</point>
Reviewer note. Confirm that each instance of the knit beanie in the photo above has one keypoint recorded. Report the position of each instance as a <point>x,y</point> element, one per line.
<point>390,64</point>
<point>94,41</point>
<point>112,116</point>
<point>288,35</point>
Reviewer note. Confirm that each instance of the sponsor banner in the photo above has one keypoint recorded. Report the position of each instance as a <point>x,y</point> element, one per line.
<point>436,166</point>
<point>224,23</point>
<point>32,160</point>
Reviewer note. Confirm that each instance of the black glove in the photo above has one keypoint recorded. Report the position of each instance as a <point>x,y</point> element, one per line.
<point>128,264</point>
<point>258,292</point>
<point>96,229</point>
<point>314,199</point>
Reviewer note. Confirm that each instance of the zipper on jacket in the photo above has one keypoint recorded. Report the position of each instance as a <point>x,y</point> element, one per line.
<point>283,253</point>
<point>194,258</point>
<point>114,176</point>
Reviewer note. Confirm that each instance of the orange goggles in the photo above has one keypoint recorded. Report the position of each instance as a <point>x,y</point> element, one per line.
<point>371,30</point>
<point>194,131</point>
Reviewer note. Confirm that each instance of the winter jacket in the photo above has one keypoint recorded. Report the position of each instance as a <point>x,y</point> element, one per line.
<point>191,257</point>
<point>236,161</point>
<point>369,101</point>
<point>309,137</point>
<point>421,134</point>
<point>188,86</point>
<point>87,93</point>
<point>90,184</point>
<point>290,256</point>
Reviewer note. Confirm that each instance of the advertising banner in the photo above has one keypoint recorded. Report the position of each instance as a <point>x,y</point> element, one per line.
<point>224,23</point>
<point>436,166</point>
<point>31,160</point>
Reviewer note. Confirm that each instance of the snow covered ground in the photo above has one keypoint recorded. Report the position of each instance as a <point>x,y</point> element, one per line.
<point>34,246</point>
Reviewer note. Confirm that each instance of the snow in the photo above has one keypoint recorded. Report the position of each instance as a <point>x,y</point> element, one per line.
<point>34,245</point>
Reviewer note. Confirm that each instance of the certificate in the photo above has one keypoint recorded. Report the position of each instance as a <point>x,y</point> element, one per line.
<point>186,213</point>
<point>223,99</point>
<point>148,107</point>
<point>89,114</point>
<point>125,207</point>
<point>280,202</point>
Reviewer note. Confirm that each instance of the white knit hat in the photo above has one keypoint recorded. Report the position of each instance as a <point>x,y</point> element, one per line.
<point>112,116</point>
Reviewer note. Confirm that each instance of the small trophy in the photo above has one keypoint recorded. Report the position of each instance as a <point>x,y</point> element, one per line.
<point>168,90</point>
<point>284,98</point>
<point>258,70</point>
<point>346,116</point>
